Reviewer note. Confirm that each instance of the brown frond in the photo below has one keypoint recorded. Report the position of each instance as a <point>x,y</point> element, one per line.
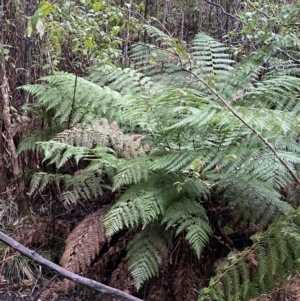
<point>292,290</point>
<point>84,244</point>
<point>38,234</point>
<point>33,231</point>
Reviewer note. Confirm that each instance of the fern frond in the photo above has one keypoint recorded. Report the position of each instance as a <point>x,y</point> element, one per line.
<point>172,161</point>
<point>31,143</point>
<point>141,204</point>
<point>143,253</point>
<point>41,180</point>
<point>59,153</point>
<point>84,186</point>
<point>210,58</point>
<point>125,81</point>
<point>132,172</point>
<point>188,216</point>
<point>57,93</point>
<point>84,244</point>
<point>262,266</point>
<point>279,93</point>
<point>159,36</point>
<point>256,202</point>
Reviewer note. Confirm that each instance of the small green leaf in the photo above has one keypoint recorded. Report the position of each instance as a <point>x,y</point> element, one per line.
<point>115,30</point>
<point>45,8</point>
<point>97,6</point>
<point>35,18</point>
<point>89,43</point>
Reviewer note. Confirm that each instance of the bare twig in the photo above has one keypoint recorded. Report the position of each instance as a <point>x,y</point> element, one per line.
<point>224,11</point>
<point>288,55</point>
<point>44,287</point>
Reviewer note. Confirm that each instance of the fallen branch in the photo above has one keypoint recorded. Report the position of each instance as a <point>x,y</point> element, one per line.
<point>91,284</point>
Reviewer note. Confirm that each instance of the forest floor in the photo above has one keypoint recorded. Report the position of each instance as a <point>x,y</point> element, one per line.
<point>9,292</point>
<point>8,296</point>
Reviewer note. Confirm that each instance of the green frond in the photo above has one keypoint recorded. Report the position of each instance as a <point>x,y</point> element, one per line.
<point>159,36</point>
<point>280,67</point>
<point>57,92</point>
<point>262,266</point>
<point>210,57</point>
<point>83,186</point>
<point>41,180</point>
<point>143,253</point>
<point>31,143</point>
<point>132,172</point>
<point>279,93</point>
<point>141,204</point>
<point>255,201</point>
<point>60,153</point>
<point>172,161</point>
<point>161,65</point>
<point>188,216</point>
<point>126,81</point>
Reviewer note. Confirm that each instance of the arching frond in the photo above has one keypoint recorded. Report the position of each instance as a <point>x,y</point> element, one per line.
<point>210,58</point>
<point>73,98</point>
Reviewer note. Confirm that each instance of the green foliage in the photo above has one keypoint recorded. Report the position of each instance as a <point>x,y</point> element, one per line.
<point>141,204</point>
<point>60,92</point>
<point>210,58</point>
<point>143,253</point>
<point>100,147</point>
<point>269,261</point>
<point>188,216</point>
<point>200,156</point>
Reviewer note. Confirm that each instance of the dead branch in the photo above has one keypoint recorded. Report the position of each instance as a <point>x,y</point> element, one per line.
<point>91,284</point>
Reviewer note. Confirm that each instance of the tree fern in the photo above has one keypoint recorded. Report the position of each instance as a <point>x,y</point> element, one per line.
<point>203,162</point>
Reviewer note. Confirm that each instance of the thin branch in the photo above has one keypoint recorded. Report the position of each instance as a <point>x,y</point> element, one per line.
<point>288,55</point>
<point>37,295</point>
<point>225,12</point>
<point>91,284</point>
